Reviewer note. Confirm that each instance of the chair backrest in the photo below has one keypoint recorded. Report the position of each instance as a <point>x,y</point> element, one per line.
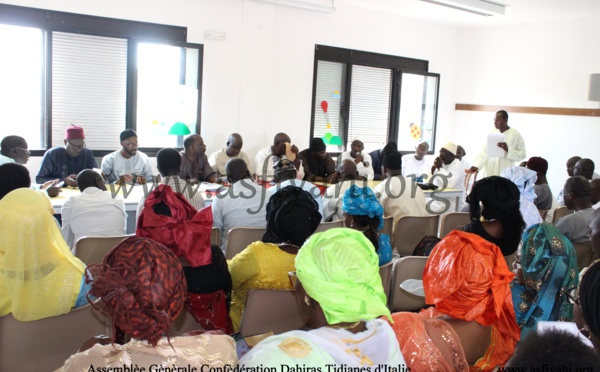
<point>385,272</point>
<point>215,236</point>
<point>45,344</point>
<point>410,267</point>
<point>451,221</point>
<point>411,229</point>
<point>275,310</point>
<point>560,212</point>
<point>470,179</point>
<point>543,213</point>
<point>583,251</point>
<point>388,226</point>
<point>92,249</point>
<point>324,226</point>
<point>241,237</point>
<point>185,322</point>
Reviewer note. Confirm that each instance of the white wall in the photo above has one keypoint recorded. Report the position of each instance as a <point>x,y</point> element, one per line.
<point>540,64</point>
<point>259,80</point>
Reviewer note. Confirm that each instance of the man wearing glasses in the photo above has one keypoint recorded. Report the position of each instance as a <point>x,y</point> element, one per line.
<point>127,165</point>
<point>66,162</point>
<point>13,149</point>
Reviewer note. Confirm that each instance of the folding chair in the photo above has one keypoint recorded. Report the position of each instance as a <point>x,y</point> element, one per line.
<point>241,237</point>
<point>385,272</point>
<point>411,229</point>
<point>324,226</point>
<point>271,310</point>
<point>410,267</point>
<point>560,212</point>
<point>452,221</point>
<point>92,249</point>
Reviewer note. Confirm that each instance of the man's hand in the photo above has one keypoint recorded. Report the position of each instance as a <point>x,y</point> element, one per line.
<point>472,170</point>
<point>53,191</point>
<point>332,178</point>
<point>48,184</point>
<point>437,164</point>
<point>71,180</point>
<point>359,158</point>
<point>503,146</point>
<point>295,149</point>
<point>127,178</point>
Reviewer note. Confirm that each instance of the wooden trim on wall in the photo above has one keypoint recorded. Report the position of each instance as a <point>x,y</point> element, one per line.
<point>530,110</point>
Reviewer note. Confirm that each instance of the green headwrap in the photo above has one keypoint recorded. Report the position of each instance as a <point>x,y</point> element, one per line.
<point>339,269</point>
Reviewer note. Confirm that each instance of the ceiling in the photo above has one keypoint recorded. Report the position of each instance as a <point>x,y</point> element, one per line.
<point>517,11</point>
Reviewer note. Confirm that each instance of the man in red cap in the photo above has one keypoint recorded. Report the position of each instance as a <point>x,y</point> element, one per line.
<point>66,162</point>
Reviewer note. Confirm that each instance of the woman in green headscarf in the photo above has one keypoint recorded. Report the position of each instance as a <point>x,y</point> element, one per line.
<point>340,290</point>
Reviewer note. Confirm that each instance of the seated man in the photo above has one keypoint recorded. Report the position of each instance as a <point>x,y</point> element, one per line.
<point>168,162</point>
<point>363,162</point>
<point>417,165</point>
<point>13,176</point>
<point>543,201</point>
<point>285,175</point>
<point>595,193</point>
<point>450,168</point>
<point>93,213</point>
<point>584,167</point>
<point>243,204</point>
<point>266,157</point>
<point>13,149</point>
<point>377,157</point>
<point>66,162</point>
<point>219,159</point>
<point>194,163</point>
<point>577,197</point>
<point>127,165</point>
<point>399,196</point>
<point>334,195</point>
<point>318,164</point>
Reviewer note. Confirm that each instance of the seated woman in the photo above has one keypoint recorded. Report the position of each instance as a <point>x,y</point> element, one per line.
<point>340,290</point>
<point>292,216</point>
<point>169,219</point>
<point>494,211</point>
<point>364,213</point>
<point>141,286</point>
<point>586,300</point>
<point>547,270</point>
<point>525,180</point>
<point>39,276</point>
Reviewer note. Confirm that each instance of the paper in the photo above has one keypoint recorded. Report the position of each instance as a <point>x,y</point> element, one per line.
<point>493,151</point>
<point>208,186</point>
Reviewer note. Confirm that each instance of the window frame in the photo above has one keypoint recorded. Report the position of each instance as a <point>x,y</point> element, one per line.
<point>133,31</point>
<point>350,57</point>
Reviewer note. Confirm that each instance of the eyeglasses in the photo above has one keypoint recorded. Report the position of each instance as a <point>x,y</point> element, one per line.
<point>21,149</point>
<point>77,147</point>
<point>573,295</point>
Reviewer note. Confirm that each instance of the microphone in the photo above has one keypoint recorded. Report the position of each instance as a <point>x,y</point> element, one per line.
<point>363,161</point>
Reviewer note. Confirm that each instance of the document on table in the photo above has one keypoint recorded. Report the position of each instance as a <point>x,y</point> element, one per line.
<point>493,151</point>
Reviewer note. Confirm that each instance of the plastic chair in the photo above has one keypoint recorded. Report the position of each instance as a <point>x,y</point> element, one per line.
<point>411,229</point>
<point>271,310</point>
<point>388,226</point>
<point>452,221</point>
<point>543,213</point>
<point>385,272</point>
<point>45,344</point>
<point>215,236</point>
<point>324,226</point>
<point>560,212</point>
<point>184,323</point>
<point>410,267</point>
<point>241,237</point>
<point>584,254</point>
<point>92,249</point>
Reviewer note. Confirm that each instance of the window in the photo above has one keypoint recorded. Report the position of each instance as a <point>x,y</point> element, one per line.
<point>102,74</point>
<point>375,97</point>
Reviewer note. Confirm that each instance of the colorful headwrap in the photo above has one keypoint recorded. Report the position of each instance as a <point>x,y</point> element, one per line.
<point>589,297</point>
<point>466,278</point>
<point>550,269</point>
<point>361,201</point>
<point>141,286</point>
<point>340,270</point>
<point>39,276</point>
<point>525,180</point>
<point>186,231</point>
<point>292,216</point>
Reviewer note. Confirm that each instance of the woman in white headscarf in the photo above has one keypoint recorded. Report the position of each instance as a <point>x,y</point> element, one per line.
<point>525,180</point>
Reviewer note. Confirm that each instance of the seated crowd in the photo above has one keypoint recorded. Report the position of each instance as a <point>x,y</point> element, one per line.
<point>479,313</point>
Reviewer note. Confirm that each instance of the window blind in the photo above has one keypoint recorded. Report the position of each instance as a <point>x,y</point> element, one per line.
<point>330,76</point>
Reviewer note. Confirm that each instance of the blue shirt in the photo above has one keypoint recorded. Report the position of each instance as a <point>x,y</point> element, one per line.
<point>58,164</point>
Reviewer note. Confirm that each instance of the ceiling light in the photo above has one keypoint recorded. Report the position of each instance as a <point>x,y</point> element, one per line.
<point>304,5</point>
<point>481,7</point>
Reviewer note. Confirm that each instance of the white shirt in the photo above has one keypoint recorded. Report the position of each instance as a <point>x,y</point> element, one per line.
<point>455,175</point>
<point>363,170</point>
<point>313,190</point>
<point>410,166</point>
<point>333,197</point>
<point>93,213</point>
<point>219,159</point>
<point>178,185</point>
<point>114,165</point>
<point>396,196</point>
<point>244,204</point>
<point>6,159</point>
<point>495,166</point>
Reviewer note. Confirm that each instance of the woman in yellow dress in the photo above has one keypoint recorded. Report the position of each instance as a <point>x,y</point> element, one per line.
<point>292,216</point>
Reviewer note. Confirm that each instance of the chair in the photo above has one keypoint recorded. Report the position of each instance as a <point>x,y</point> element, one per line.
<point>184,323</point>
<point>470,179</point>
<point>406,268</point>
<point>584,254</point>
<point>452,221</point>
<point>385,272</point>
<point>411,229</point>
<point>560,212</point>
<point>215,236</point>
<point>241,237</point>
<point>324,226</point>
<point>388,226</point>
<point>92,249</point>
<point>271,310</point>
<point>543,213</point>
<point>45,344</point>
